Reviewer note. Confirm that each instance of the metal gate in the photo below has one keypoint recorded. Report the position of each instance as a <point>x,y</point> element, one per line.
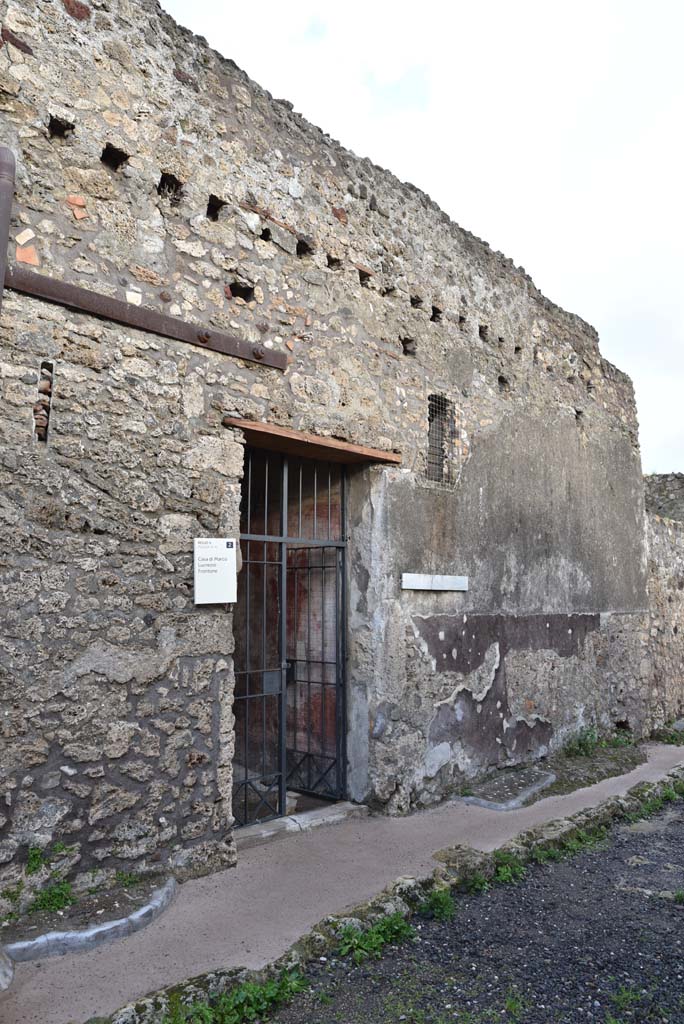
<point>289,635</point>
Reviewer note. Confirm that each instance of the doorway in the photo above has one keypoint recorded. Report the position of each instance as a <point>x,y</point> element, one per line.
<point>289,635</point>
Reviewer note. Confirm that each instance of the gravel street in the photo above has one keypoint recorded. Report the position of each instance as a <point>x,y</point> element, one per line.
<point>597,938</point>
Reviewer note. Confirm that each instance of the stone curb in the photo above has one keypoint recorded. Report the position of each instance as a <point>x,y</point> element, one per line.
<point>84,939</point>
<point>455,866</point>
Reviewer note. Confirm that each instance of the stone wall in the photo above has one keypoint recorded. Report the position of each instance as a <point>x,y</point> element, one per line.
<point>153,170</point>
<point>666,600</point>
<point>115,690</point>
<point>665,494</point>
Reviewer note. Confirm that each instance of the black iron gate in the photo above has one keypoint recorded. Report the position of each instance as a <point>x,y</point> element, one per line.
<point>289,635</point>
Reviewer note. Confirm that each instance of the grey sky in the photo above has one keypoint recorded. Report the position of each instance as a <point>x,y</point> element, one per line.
<point>554,131</point>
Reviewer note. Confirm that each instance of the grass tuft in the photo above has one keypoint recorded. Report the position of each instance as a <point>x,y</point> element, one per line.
<point>439,904</point>
<point>370,943</point>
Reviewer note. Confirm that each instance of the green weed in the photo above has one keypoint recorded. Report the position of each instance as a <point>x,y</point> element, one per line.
<point>35,860</point>
<point>12,895</point>
<point>248,1002</point>
<point>508,868</point>
<point>126,879</point>
<point>514,1005</point>
<point>439,904</point>
<point>679,897</point>
<point>546,854</point>
<point>618,740</point>
<point>53,897</point>
<point>477,883</point>
<point>668,735</point>
<point>370,943</point>
<point>584,744</point>
<point>625,997</point>
<point>38,858</point>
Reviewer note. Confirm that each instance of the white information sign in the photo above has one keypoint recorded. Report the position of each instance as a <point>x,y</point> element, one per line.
<point>215,570</point>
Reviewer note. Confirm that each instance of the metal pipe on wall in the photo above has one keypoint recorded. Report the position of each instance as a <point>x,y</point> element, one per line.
<point>7,172</point>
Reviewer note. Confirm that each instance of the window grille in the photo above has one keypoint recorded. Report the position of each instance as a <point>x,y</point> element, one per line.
<point>445,447</point>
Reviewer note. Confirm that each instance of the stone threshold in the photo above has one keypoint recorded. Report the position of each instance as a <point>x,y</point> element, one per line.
<point>279,828</point>
<point>82,940</point>
<point>520,794</point>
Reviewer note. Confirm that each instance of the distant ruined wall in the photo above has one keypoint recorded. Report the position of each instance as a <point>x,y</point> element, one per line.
<point>153,170</point>
<point>665,495</point>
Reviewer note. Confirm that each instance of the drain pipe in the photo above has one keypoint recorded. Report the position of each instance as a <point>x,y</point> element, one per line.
<point>7,170</point>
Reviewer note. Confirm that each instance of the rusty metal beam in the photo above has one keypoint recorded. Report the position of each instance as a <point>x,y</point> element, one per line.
<point>7,172</point>
<point>85,301</point>
<point>310,446</point>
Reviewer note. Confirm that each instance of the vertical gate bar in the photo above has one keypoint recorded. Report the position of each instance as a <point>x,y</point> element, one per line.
<point>248,678</point>
<point>268,462</point>
<point>7,175</point>
<point>315,508</point>
<point>295,730</point>
<point>282,738</point>
<point>324,745</point>
<point>246,782</point>
<point>308,666</point>
<point>264,572</point>
<point>340,646</point>
<point>264,590</point>
<point>249,492</point>
<point>329,492</point>
<point>301,470</point>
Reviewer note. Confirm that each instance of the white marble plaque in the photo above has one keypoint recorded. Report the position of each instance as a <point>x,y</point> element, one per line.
<point>430,581</point>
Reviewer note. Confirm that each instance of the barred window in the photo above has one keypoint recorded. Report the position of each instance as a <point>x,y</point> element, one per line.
<point>443,452</point>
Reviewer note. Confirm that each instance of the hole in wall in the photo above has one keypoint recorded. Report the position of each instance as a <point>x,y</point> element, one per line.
<point>409,346</point>
<point>41,408</point>
<point>59,127</point>
<point>170,188</point>
<point>304,247</point>
<point>483,331</point>
<point>266,235</point>
<point>518,350</point>
<point>416,301</point>
<point>579,414</point>
<point>239,290</point>
<point>333,262</point>
<point>388,290</point>
<point>461,320</point>
<point>113,157</point>
<point>214,207</point>
<point>504,383</point>
<point>364,278</point>
<point>436,315</point>
<point>622,725</point>
<point>501,341</point>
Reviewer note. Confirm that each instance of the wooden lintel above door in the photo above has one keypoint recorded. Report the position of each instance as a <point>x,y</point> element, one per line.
<point>309,446</point>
